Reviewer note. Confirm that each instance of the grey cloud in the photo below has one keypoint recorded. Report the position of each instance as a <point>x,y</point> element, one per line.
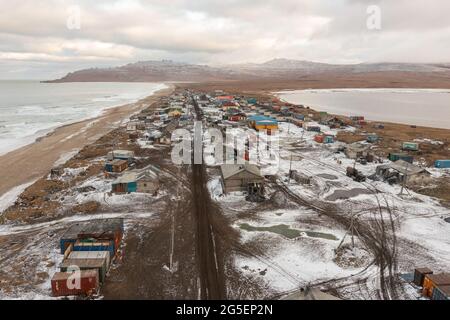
<point>207,31</point>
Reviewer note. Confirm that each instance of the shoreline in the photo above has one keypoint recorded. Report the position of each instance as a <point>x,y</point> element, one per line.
<point>34,160</point>
<point>283,96</point>
<point>95,112</point>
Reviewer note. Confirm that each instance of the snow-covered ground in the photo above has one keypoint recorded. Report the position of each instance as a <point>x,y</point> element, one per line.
<point>8,199</point>
<point>423,237</point>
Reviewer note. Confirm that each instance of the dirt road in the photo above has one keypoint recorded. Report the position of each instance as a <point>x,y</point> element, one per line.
<point>212,284</point>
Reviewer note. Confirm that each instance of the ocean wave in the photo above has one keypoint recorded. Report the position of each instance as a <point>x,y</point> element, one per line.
<point>24,123</point>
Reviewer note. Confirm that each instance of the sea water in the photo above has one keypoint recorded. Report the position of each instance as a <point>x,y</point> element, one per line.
<point>30,109</point>
<point>422,107</point>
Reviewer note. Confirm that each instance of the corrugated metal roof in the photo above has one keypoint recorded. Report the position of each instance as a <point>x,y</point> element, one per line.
<point>127,177</point>
<point>440,279</point>
<point>122,152</point>
<point>76,255</point>
<point>99,226</point>
<point>83,263</point>
<point>406,168</point>
<point>65,275</point>
<point>229,170</point>
<point>117,162</point>
<point>445,289</point>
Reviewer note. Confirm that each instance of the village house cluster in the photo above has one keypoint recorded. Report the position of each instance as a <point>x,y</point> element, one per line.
<point>94,246</point>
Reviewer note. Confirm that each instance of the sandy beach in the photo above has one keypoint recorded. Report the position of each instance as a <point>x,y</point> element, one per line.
<point>31,162</point>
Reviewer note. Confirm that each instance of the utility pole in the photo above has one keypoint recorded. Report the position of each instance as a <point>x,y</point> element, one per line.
<point>405,177</point>
<point>290,170</point>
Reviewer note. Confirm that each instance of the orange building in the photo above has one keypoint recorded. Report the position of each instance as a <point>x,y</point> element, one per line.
<point>433,280</point>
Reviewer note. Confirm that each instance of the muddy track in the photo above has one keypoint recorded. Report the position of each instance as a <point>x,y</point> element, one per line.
<point>373,236</point>
<point>212,282</point>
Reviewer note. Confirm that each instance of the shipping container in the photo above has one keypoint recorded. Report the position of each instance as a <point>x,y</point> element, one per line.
<point>77,255</point>
<point>441,293</point>
<point>313,128</point>
<point>419,275</point>
<point>108,229</point>
<point>401,156</point>
<point>86,264</point>
<point>62,284</point>
<point>94,245</point>
<point>372,138</point>
<point>411,146</point>
<point>434,280</point>
<point>328,139</point>
<point>70,236</point>
<point>318,139</point>
<point>442,164</point>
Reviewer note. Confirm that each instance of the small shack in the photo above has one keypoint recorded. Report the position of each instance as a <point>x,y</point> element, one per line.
<point>121,155</point>
<point>126,183</point>
<point>148,182</point>
<point>313,128</point>
<point>403,172</point>
<point>243,178</point>
<point>410,146</point>
<point>116,166</point>
<point>132,126</point>
<point>300,177</point>
<point>328,139</point>
<point>400,156</point>
<point>143,181</point>
<point>324,138</point>
<point>372,138</point>
<point>357,150</point>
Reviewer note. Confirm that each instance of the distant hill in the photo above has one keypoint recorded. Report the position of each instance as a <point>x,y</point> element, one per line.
<point>166,70</point>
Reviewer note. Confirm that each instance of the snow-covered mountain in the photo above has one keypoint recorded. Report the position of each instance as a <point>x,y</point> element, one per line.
<point>167,70</point>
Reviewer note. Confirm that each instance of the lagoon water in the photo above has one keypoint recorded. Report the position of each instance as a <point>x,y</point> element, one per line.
<point>30,109</point>
<point>422,107</point>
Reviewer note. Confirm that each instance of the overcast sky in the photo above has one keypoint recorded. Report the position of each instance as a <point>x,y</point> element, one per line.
<point>40,39</point>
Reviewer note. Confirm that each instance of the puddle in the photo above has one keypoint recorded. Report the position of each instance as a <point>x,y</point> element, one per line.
<point>287,232</point>
<point>327,176</point>
<point>346,194</point>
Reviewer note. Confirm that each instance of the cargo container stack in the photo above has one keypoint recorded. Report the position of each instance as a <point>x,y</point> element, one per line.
<point>433,286</point>
<point>89,249</point>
